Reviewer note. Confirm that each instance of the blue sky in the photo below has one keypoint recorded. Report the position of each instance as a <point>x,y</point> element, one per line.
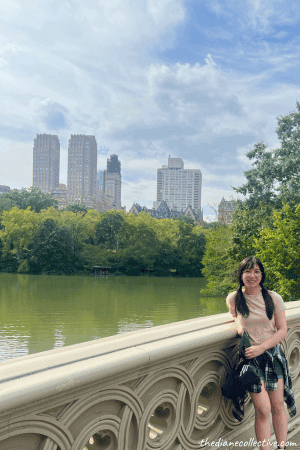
<point>201,80</point>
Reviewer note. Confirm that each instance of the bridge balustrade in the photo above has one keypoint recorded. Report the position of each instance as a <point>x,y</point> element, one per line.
<point>152,389</point>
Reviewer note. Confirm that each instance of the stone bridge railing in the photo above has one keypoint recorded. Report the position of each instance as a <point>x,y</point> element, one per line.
<point>154,389</point>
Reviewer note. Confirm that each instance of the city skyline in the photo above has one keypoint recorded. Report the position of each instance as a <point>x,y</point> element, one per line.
<point>99,189</point>
<point>201,81</point>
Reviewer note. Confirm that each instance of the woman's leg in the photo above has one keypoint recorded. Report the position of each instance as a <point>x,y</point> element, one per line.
<point>262,408</point>
<point>279,416</point>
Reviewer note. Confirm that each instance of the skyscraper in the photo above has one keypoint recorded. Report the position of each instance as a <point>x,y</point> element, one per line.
<point>82,168</point>
<point>46,156</point>
<point>101,180</point>
<point>178,187</point>
<point>113,180</point>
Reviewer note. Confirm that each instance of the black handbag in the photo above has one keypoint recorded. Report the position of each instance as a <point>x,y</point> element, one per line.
<point>244,373</point>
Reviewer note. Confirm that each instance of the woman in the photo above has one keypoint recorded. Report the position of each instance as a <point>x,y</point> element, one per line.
<point>262,314</point>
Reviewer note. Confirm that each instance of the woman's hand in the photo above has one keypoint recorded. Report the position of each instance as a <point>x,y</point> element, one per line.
<point>253,351</point>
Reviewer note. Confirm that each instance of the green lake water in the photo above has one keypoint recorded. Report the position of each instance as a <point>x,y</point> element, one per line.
<point>39,312</point>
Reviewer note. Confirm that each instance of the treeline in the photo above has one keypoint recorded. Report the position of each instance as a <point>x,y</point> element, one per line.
<point>267,222</point>
<point>37,238</point>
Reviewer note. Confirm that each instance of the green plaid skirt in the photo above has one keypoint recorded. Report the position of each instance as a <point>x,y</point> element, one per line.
<point>268,371</point>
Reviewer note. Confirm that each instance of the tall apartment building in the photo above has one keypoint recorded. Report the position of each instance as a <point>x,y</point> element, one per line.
<point>46,156</point>
<point>178,187</point>
<point>82,168</point>
<point>101,180</point>
<point>112,180</point>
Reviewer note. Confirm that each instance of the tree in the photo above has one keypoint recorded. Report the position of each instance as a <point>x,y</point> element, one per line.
<point>246,227</point>
<point>190,251</point>
<point>139,246</point>
<point>279,249</point>
<point>220,268</point>
<point>54,250</point>
<point>32,197</point>
<point>165,258</point>
<point>19,227</point>
<point>108,228</point>
<point>97,255</point>
<point>186,219</point>
<point>210,225</point>
<point>77,208</point>
<point>275,177</point>
<point>6,204</point>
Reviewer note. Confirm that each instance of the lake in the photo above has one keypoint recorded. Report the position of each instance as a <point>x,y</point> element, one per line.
<point>40,312</point>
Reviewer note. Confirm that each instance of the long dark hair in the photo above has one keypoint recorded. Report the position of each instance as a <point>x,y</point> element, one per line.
<point>240,301</point>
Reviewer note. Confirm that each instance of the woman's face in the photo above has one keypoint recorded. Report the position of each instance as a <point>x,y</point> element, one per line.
<point>252,277</point>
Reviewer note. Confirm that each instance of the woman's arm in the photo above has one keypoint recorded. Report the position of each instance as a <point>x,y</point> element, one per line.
<point>278,336</point>
<point>239,328</point>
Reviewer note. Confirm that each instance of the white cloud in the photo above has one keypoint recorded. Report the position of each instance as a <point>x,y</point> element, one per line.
<point>142,192</point>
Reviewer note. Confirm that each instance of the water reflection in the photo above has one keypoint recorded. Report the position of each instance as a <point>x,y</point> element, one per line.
<point>125,327</point>
<point>12,343</point>
<point>38,313</point>
<point>59,338</point>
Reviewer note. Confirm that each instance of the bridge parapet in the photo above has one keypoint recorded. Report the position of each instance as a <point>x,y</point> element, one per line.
<point>153,389</point>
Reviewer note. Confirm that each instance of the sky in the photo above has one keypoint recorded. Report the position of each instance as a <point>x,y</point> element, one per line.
<point>201,80</point>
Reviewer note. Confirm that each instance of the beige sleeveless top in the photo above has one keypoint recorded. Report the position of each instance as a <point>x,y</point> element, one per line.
<point>257,325</point>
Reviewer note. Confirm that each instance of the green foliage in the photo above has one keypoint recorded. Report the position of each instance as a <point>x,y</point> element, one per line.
<point>32,197</point>
<point>279,249</point>
<point>97,255</point>
<point>5,203</point>
<point>139,246</point>
<point>53,241</point>
<point>165,258</point>
<point>246,227</point>
<point>275,177</point>
<point>219,266</point>
<point>186,219</point>
<point>190,251</point>
<point>108,228</point>
<point>24,267</point>
<point>54,250</point>
<point>209,225</point>
<point>19,227</point>
<point>77,208</point>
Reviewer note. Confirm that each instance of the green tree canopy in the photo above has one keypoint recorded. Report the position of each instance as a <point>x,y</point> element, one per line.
<point>19,227</point>
<point>246,227</point>
<point>108,228</point>
<point>77,208</point>
<point>54,250</point>
<point>190,250</point>
<point>186,219</point>
<point>32,197</point>
<point>279,249</point>
<point>275,177</point>
<point>138,248</point>
<point>6,204</point>
<point>219,265</point>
